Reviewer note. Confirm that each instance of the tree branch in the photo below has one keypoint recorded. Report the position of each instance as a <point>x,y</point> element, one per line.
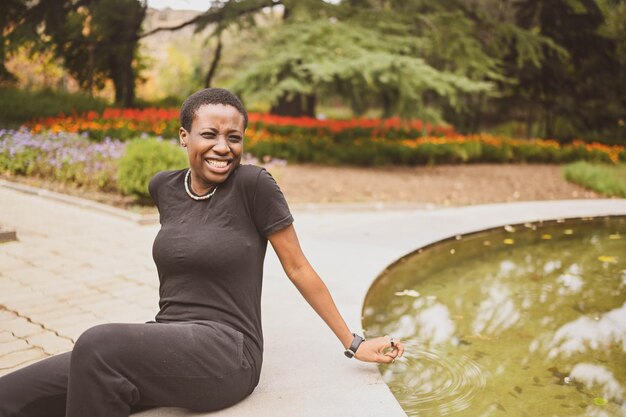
<point>230,10</point>
<point>171,28</point>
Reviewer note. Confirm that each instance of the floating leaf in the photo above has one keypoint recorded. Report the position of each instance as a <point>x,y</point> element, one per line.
<point>408,293</point>
<point>615,236</point>
<point>509,228</point>
<point>509,241</point>
<point>600,401</point>
<point>568,231</point>
<point>608,259</point>
<point>546,236</point>
<point>452,251</point>
<point>486,243</point>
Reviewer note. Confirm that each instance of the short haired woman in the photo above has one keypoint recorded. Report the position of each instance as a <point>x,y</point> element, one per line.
<point>204,349</point>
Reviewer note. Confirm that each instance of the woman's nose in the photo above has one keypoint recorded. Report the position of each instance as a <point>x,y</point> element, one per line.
<point>222,145</point>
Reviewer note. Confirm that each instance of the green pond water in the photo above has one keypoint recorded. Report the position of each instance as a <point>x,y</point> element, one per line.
<point>527,320</point>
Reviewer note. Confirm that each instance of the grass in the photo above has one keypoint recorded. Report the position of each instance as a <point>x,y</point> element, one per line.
<point>609,180</point>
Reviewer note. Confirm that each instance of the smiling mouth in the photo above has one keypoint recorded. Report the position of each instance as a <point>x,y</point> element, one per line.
<point>217,163</point>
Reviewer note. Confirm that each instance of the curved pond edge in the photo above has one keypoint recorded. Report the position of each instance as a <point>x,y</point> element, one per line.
<point>597,213</point>
<point>414,229</point>
<point>459,237</point>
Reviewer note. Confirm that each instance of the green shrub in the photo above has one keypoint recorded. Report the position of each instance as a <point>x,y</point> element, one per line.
<point>144,158</point>
<point>609,180</point>
<point>20,106</point>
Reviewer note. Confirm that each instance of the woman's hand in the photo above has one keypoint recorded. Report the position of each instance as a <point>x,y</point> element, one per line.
<point>380,350</point>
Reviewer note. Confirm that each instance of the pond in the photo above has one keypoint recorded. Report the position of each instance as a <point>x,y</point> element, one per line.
<point>521,320</point>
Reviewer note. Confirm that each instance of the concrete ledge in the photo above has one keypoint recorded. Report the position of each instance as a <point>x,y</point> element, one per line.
<point>147,219</point>
<point>81,202</point>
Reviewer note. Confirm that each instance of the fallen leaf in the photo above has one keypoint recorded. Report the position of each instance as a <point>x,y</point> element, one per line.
<point>600,401</point>
<point>508,241</point>
<point>607,259</point>
<point>408,293</point>
<point>546,236</point>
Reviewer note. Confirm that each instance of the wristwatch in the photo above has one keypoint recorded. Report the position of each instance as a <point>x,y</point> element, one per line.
<point>356,342</point>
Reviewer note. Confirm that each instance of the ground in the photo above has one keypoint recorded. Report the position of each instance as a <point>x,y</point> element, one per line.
<point>444,185</point>
<point>453,185</point>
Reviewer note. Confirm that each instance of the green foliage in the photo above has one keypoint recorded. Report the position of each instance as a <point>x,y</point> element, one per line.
<point>557,68</point>
<point>365,62</point>
<point>143,159</point>
<point>97,40</point>
<point>181,75</point>
<point>20,106</point>
<point>576,87</point>
<point>609,180</point>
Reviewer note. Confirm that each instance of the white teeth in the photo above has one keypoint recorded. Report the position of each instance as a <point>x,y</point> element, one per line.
<point>217,164</point>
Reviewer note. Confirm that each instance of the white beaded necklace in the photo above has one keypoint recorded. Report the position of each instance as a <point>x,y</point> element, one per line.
<point>197,197</point>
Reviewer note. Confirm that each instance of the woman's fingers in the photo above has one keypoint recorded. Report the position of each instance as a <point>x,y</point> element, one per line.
<point>385,359</point>
<point>395,344</point>
<point>380,350</point>
<point>400,347</point>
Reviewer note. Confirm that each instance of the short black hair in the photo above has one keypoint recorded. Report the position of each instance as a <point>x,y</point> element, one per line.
<point>209,96</point>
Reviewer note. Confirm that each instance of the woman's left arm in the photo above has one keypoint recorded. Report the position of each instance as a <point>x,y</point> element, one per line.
<point>313,289</point>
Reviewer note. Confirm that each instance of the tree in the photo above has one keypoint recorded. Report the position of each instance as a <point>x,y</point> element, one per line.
<point>96,39</point>
<point>370,53</point>
<point>13,33</point>
<point>577,92</point>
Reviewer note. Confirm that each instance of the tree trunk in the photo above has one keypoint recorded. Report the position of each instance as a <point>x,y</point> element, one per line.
<point>297,105</point>
<point>214,63</point>
<point>294,104</point>
<point>122,71</point>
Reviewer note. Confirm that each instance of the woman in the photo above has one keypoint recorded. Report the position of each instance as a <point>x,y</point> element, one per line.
<point>204,349</point>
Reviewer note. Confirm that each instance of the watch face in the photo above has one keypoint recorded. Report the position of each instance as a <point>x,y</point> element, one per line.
<point>348,353</point>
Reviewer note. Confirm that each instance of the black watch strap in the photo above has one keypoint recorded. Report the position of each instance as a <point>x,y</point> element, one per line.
<point>356,342</point>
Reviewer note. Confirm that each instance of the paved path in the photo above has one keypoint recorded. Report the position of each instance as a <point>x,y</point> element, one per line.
<point>73,268</point>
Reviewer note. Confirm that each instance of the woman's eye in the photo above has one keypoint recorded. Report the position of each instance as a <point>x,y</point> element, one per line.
<point>235,138</point>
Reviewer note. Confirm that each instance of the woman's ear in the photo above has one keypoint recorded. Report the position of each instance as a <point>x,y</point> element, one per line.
<point>183,136</point>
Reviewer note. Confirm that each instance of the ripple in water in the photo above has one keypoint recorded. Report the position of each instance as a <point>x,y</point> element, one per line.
<point>433,382</point>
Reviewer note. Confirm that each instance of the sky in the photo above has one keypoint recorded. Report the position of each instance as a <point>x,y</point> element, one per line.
<point>180,4</point>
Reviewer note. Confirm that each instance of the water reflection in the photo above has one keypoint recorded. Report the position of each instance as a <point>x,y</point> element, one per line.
<point>590,334</point>
<point>592,376</point>
<point>539,325</point>
<point>434,324</point>
<point>571,281</point>
<point>496,313</point>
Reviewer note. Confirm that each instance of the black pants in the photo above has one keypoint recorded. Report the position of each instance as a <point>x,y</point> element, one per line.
<point>114,367</point>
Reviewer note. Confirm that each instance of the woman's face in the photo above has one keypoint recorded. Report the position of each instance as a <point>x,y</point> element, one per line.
<point>214,145</point>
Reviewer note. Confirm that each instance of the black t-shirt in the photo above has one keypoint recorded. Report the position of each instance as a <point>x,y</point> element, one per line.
<point>209,254</point>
